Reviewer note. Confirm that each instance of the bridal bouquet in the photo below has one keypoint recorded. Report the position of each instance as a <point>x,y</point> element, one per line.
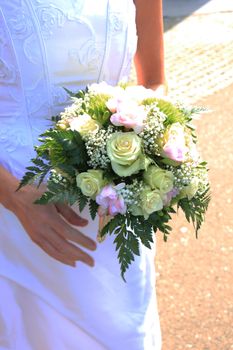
<point>130,157</point>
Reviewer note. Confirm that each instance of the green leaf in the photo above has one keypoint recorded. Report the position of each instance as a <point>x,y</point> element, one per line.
<point>28,179</point>
<point>142,229</point>
<point>129,231</point>
<point>159,220</point>
<point>196,208</point>
<point>36,173</point>
<point>93,207</point>
<point>171,162</point>
<point>82,200</point>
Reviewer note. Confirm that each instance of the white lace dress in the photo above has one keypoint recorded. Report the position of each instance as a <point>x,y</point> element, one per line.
<point>46,45</point>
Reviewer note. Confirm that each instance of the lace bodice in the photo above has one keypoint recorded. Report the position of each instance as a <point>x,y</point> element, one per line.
<point>46,45</point>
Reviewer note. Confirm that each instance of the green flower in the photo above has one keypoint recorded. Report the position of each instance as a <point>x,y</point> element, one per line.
<point>150,201</point>
<point>90,182</point>
<point>158,178</point>
<point>125,152</point>
<point>190,190</point>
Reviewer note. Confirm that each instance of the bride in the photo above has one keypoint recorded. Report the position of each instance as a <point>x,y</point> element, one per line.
<point>58,290</point>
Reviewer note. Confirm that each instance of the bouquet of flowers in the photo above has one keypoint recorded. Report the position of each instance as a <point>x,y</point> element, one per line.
<point>130,157</point>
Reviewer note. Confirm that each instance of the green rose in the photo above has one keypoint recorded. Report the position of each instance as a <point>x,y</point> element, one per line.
<point>150,201</point>
<point>190,190</point>
<point>125,152</point>
<point>90,182</point>
<point>158,178</point>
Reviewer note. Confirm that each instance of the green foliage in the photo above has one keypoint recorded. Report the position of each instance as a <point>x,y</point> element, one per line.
<point>143,229</point>
<point>82,200</point>
<point>56,118</point>
<point>196,208</point>
<point>190,112</point>
<point>93,207</point>
<point>64,147</point>
<point>58,190</point>
<point>159,220</point>
<point>63,150</point>
<point>78,94</point>
<point>97,108</point>
<point>129,231</point>
<point>36,173</point>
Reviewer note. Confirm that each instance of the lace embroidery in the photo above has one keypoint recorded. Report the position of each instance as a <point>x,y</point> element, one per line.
<point>50,18</point>
<point>34,28</point>
<point>8,73</point>
<point>60,97</point>
<point>11,138</point>
<point>89,55</point>
<point>21,24</point>
<point>117,22</point>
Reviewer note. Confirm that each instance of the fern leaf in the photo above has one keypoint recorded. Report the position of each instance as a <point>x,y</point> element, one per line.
<point>93,207</point>
<point>195,209</point>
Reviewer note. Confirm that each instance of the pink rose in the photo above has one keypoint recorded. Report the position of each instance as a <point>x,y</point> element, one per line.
<point>175,151</point>
<point>110,202</point>
<point>174,145</point>
<point>128,114</point>
<point>112,104</point>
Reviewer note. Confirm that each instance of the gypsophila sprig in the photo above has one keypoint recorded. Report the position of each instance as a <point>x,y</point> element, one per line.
<point>127,156</point>
<point>154,127</point>
<point>96,148</point>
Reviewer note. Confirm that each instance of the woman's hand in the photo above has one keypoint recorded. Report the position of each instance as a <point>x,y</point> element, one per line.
<point>48,227</point>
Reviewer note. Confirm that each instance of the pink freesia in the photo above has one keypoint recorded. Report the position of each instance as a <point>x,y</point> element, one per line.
<point>128,114</point>
<point>106,195</point>
<point>169,195</point>
<point>117,206</point>
<point>110,202</point>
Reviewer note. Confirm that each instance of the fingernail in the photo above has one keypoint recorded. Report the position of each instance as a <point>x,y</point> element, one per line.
<point>92,263</point>
<point>84,222</point>
<point>94,245</point>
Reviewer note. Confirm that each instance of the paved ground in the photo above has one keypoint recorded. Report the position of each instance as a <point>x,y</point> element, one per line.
<point>195,277</point>
<point>199,54</point>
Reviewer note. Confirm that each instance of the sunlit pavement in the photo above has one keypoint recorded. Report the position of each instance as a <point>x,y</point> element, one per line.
<point>195,277</point>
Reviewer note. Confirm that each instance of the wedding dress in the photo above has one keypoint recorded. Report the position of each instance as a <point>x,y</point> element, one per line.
<point>46,45</point>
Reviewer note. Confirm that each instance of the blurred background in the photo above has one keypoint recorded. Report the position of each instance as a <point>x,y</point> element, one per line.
<point>195,277</point>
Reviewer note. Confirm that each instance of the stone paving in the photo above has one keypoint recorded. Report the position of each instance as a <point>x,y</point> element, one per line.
<point>195,277</point>
<point>199,54</point>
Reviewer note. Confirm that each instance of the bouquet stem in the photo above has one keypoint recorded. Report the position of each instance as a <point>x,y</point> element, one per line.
<point>103,220</point>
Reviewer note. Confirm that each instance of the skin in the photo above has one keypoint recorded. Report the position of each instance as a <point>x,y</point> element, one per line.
<point>54,235</point>
<point>149,58</point>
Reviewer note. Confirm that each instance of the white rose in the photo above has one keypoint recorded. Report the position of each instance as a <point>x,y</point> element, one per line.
<point>84,124</point>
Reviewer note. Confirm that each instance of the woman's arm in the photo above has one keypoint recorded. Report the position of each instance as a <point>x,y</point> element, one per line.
<point>149,58</point>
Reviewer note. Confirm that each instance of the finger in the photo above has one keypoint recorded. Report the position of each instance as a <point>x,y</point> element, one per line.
<point>70,251</point>
<point>70,215</point>
<point>52,252</point>
<point>72,234</point>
